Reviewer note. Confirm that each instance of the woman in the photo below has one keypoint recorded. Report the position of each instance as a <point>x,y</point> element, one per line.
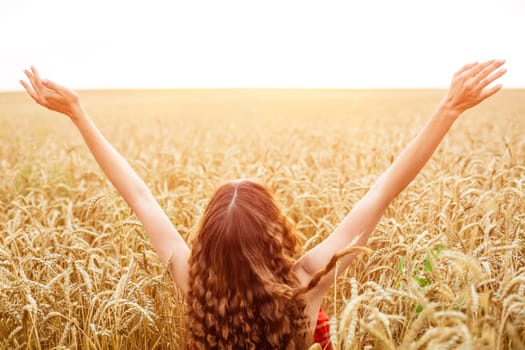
<point>243,288</point>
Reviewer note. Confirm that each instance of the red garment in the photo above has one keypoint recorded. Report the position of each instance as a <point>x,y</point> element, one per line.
<point>322,331</point>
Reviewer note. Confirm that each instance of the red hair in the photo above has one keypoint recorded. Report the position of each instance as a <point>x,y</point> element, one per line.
<point>243,292</point>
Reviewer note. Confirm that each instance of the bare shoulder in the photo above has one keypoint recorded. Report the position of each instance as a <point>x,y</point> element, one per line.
<point>313,298</point>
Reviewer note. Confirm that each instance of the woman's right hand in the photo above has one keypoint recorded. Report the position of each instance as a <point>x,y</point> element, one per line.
<point>51,95</point>
<point>470,85</point>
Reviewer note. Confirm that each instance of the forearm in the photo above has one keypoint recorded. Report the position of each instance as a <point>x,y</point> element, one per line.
<point>416,154</point>
<point>119,172</point>
<point>470,86</point>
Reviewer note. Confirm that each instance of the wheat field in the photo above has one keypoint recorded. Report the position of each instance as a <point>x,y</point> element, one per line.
<point>447,269</point>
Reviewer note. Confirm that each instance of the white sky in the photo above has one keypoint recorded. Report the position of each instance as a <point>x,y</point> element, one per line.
<point>267,43</point>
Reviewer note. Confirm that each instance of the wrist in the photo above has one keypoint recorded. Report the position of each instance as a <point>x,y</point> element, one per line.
<point>448,110</point>
<point>78,114</point>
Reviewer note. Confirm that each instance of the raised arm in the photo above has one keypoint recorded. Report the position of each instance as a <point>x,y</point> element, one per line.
<point>164,237</point>
<point>470,86</point>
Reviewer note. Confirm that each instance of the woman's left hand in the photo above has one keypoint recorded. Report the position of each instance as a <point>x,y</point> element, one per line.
<point>51,95</point>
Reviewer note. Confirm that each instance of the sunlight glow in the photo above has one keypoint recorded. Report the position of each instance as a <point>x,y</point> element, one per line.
<point>338,44</point>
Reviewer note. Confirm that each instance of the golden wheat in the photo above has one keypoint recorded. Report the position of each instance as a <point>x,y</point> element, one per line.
<point>447,269</point>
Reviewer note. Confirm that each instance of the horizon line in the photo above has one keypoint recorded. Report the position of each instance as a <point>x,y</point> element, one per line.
<point>232,88</point>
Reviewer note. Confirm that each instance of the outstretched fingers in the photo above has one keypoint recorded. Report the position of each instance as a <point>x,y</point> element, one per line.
<point>466,67</point>
<point>473,84</point>
<point>36,79</point>
<point>473,72</point>
<point>488,70</point>
<point>29,90</point>
<point>481,75</point>
<point>490,91</point>
<point>484,82</point>
<point>36,90</point>
<point>31,79</point>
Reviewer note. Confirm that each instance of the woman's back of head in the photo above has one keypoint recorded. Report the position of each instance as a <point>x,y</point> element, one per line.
<point>241,280</point>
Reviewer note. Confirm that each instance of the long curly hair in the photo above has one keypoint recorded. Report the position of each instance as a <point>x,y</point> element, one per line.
<point>243,292</point>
